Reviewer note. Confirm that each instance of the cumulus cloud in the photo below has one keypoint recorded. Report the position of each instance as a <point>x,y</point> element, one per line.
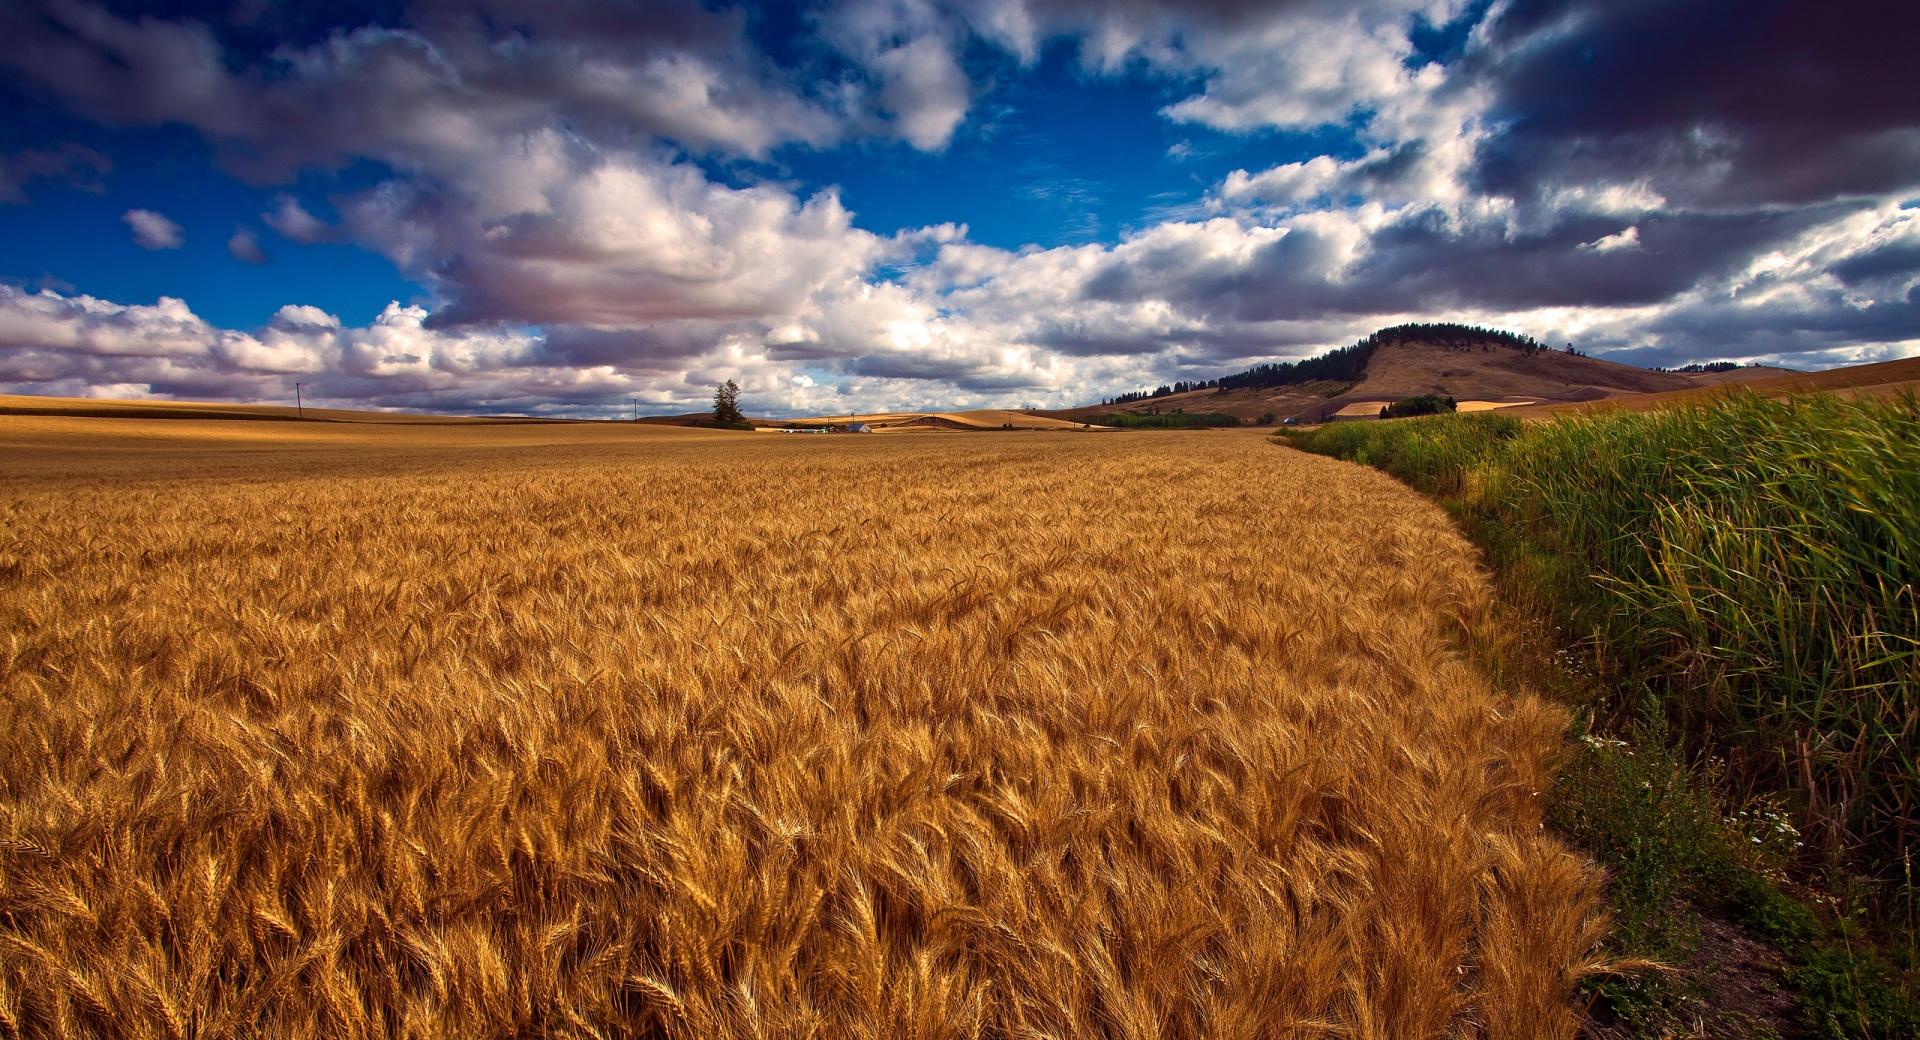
<point>293,222</point>
<point>244,246</point>
<point>924,91</point>
<point>592,238</point>
<point>431,94</point>
<point>153,230</point>
<point>975,325</point>
<point>910,50</point>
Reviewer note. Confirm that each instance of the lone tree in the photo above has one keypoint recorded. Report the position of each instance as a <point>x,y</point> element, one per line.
<point>726,403</point>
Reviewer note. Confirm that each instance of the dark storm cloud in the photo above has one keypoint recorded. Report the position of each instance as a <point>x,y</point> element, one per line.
<point>1388,171</point>
<point>1717,103</point>
<point>910,366</point>
<point>1080,339</point>
<point>1425,261</point>
<point>428,91</point>
<point>964,373</point>
<point>1789,326</point>
<point>1894,260</point>
<point>1193,344</point>
<point>804,350</point>
<point>660,348</point>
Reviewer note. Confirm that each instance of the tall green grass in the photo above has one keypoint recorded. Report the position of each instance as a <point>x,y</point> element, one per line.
<point>1753,560</point>
<point>1434,454</point>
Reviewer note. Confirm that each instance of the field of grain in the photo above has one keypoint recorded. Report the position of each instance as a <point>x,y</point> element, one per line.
<point>979,419</point>
<point>618,731</point>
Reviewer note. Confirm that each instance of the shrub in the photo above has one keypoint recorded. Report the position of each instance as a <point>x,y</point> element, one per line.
<point>1425,404</point>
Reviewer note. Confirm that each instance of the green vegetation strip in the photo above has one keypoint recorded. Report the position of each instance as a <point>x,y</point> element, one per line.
<point>1743,574</point>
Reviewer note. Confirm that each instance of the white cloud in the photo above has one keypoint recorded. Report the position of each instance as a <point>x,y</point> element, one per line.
<point>924,90</point>
<point>293,222</point>
<point>613,239</point>
<point>153,230</point>
<point>1287,183</point>
<point>970,325</point>
<point>910,51</point>
<point>1628,239</point>
<point>49,321</point>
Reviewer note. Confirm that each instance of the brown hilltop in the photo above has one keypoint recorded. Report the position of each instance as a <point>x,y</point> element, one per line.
<point>1481,368</point>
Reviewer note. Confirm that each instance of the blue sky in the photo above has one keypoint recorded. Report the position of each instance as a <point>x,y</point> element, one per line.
<point>73,237</point>
<point>552,207</point>
<point>1054,156</point>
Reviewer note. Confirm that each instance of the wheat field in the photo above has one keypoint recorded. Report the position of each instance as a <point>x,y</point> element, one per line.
<point>610,732</point>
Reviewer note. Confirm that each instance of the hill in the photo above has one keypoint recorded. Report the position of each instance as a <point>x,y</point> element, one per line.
<point>902,422</point>
<point>1479,367</point>
<point>104,408</point>
<point>1880,379</point>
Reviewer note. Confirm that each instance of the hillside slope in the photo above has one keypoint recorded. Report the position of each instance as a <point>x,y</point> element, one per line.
<point>1480,368</point>
<point>110,408</point>
<point>978,419</point>
<point>1880,379</point>
<point>1410,369</point>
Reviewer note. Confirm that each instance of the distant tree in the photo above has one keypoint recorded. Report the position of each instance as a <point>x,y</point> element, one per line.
<point>1713,366</point>
<point>1266,419</point>
<point>726,404</point>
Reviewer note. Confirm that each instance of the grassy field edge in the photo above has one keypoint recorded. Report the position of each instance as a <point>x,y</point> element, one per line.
<point>1699,844</point>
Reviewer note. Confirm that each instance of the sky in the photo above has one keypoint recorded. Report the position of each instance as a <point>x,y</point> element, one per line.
<point>560,207</point>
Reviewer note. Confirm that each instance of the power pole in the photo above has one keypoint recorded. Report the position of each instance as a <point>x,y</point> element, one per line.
<point>299,408</point>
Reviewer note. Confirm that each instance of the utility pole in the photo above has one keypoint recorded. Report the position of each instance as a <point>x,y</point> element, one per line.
<point>299,408</point>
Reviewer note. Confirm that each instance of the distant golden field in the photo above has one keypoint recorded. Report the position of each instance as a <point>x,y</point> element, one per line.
<point>336,731</point>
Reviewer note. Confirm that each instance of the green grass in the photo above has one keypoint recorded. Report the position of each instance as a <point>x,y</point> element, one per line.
<point>1756,560</point>
<point>1672,854</point>
<point>1433,454</point>
<point>1743,573</point>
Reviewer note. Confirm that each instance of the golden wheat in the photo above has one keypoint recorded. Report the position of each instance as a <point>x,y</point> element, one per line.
<point>994,735</point>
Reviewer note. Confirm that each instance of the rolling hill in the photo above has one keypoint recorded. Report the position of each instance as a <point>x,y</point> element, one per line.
<point>1879,379</point>
<point>1480,368</point>
<point>108,408</point>
<point>902,422</point>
